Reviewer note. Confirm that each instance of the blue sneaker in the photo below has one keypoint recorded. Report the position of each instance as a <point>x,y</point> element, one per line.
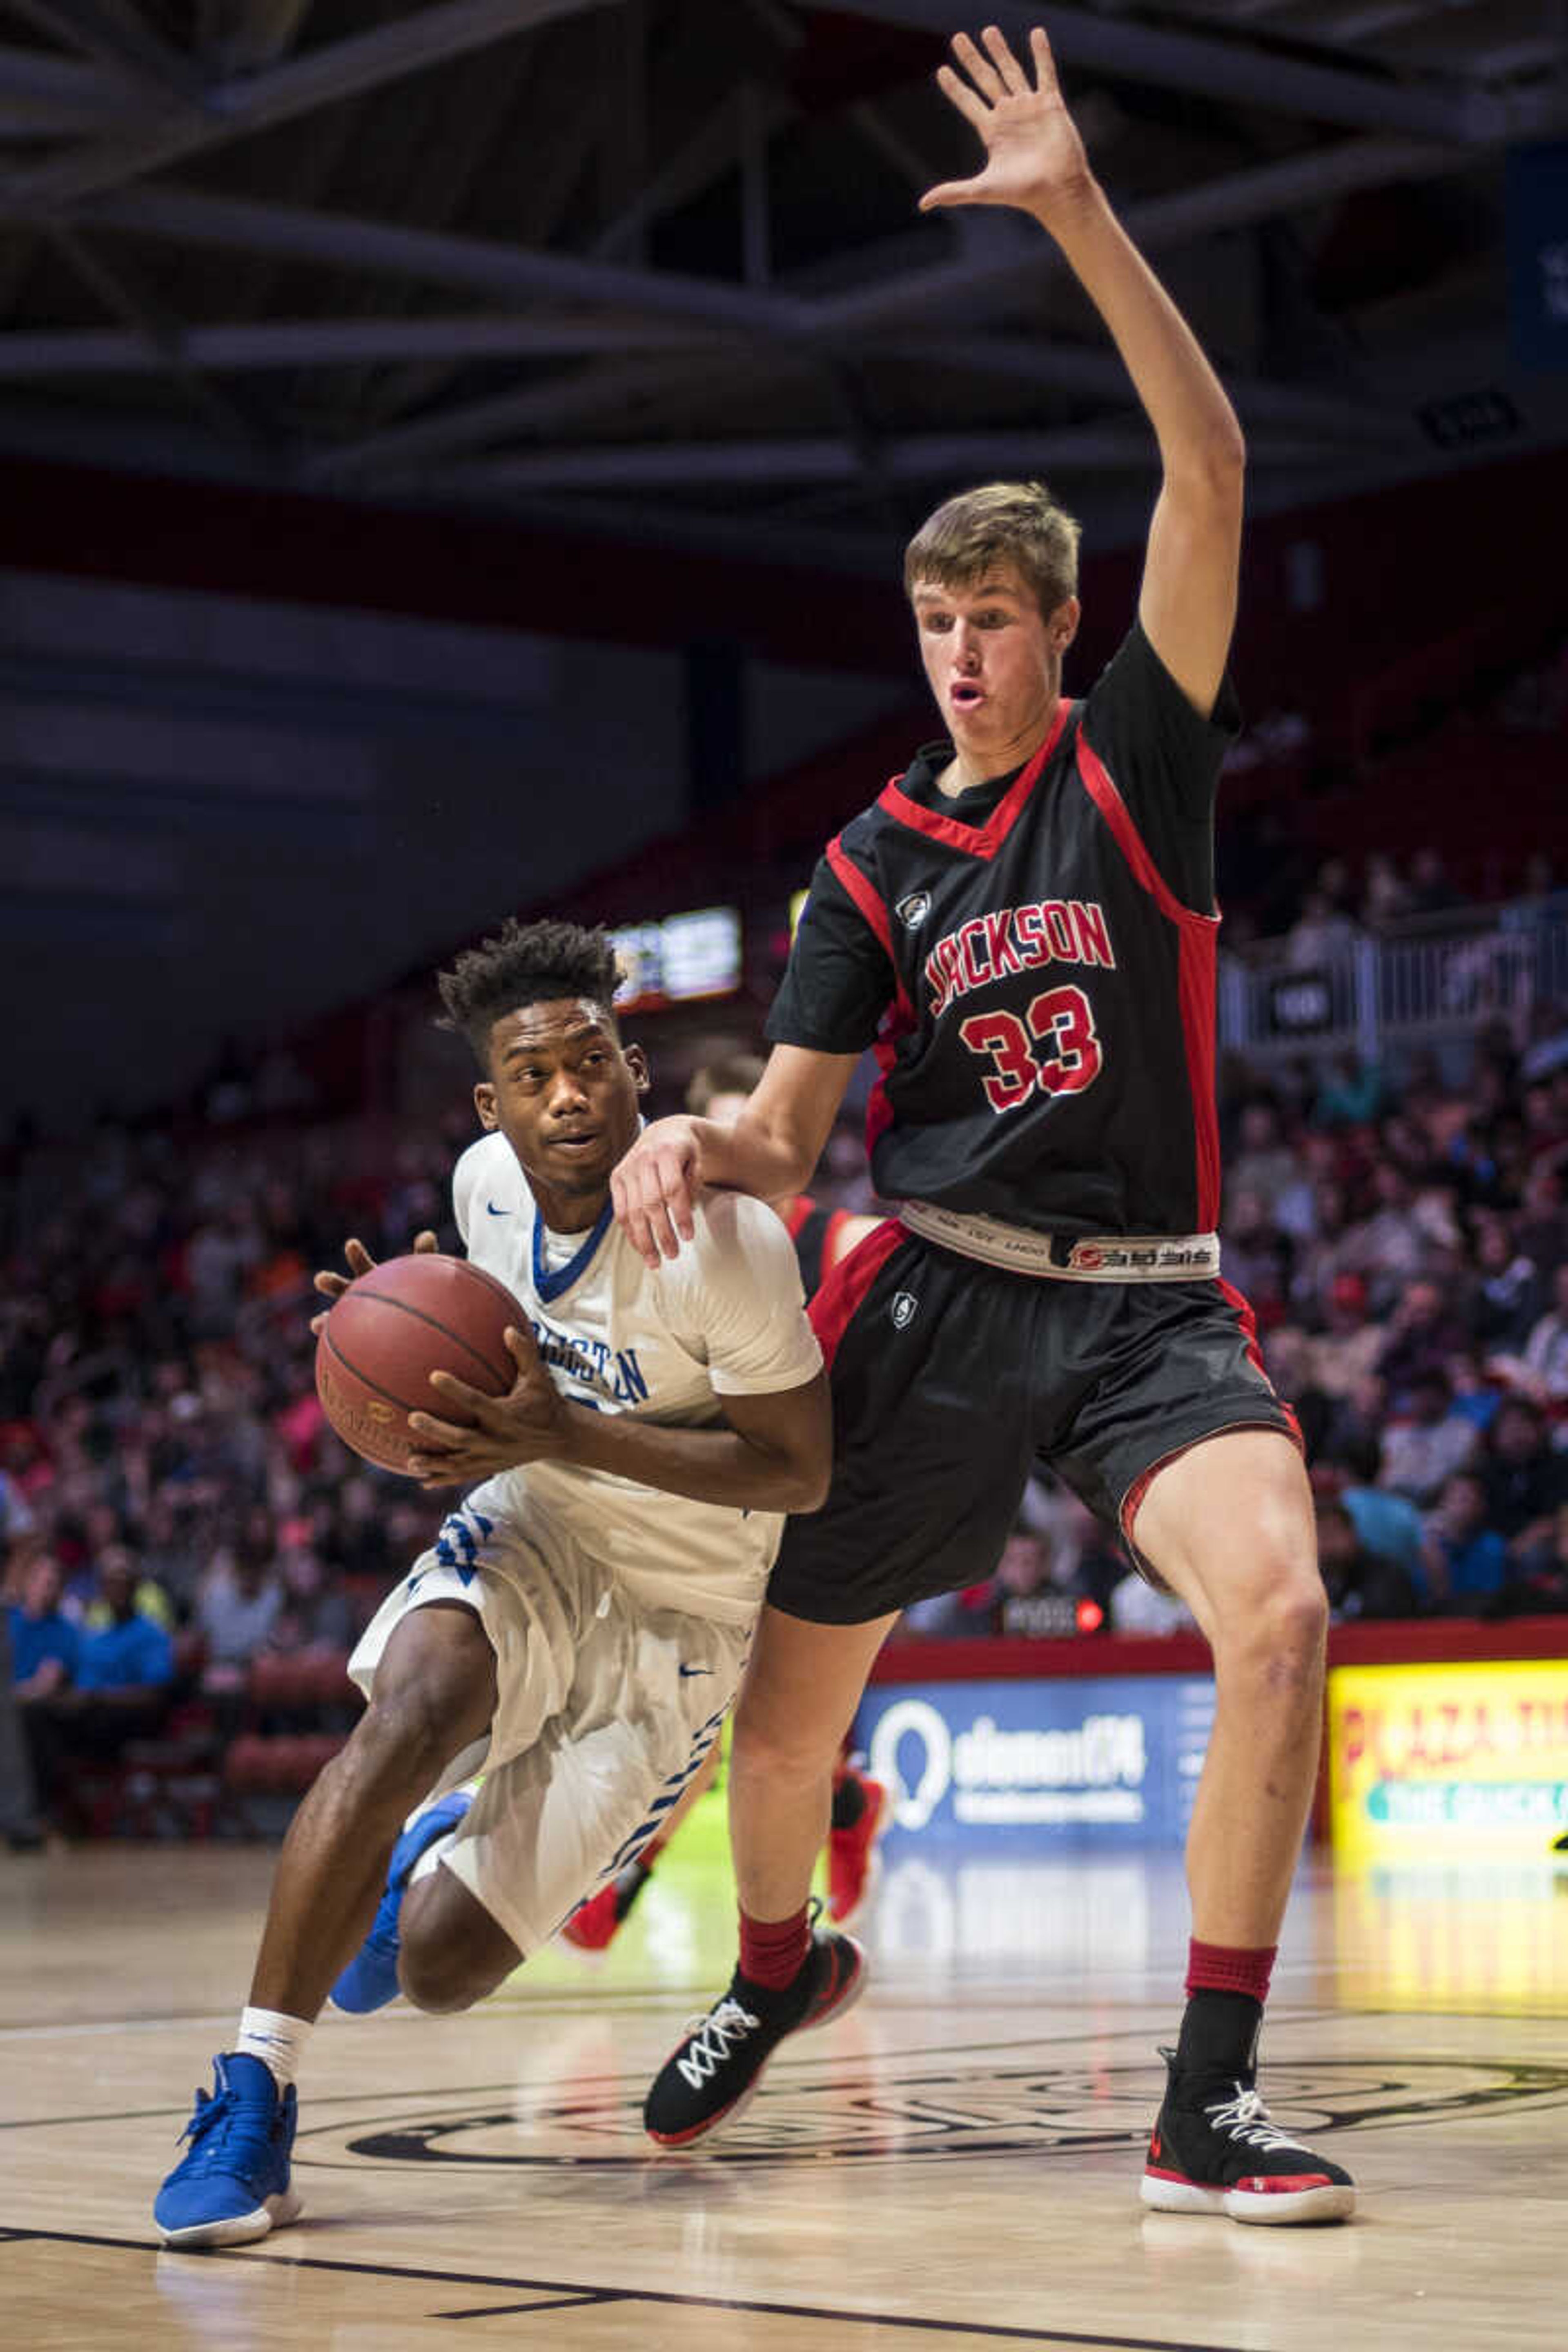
<point>370,1979</point>
<point>232,2184</point>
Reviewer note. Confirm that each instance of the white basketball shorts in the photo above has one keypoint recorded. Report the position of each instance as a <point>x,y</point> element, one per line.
<point>605,1708</point>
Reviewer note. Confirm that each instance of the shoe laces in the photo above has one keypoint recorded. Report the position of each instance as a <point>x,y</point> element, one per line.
<point>1246,2119</point>
<point>220,2122</point>
<point>712,2038</point>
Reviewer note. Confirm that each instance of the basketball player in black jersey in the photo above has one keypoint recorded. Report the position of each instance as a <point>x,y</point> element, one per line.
<point>1024,928</point>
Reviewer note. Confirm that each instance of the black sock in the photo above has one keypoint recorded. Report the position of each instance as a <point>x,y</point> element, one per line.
<point>1219,2034</point>
<point>848,1801</point>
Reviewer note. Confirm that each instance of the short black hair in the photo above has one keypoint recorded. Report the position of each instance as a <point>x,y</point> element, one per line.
<point>525,963</point>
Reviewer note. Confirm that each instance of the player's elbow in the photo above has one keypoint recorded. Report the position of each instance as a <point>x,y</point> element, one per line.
<point>1213,468</point>
<point>804,1459</point>
<point>810,1484</point>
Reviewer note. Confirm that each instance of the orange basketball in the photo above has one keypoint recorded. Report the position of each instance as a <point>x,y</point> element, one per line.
<point>387,1333</point>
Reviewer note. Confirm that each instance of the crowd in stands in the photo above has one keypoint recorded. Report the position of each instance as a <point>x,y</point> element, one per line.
<point>173,1503</point>
<point>174,1506</point>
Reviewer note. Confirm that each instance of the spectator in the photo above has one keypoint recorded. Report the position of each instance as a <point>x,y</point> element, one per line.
<point>45,1645</point>
<point>1423,1450</point>
<point>313,1612</point>
<point>1389,1245</point>
<point>1509,1297</point>
<point>1360,1584</point>
<point>1541,1567</point>
<point>123,1674</point>
<point>1385,896</point>
<point>1354,1096</point>
<point>1139,1607</point>
<point>1387,1525</point>
<point>1257,1255</point>
<point>1340,1358</point>
<point>1526,1479</point>
<point>240,1601</point>
<point>129,1656</point>
<point>1320,935</point>
<point>1265,1164</point>
<point>1467,1561</point>
<point>16,1518</point>
<point>1431,891</point>
<point>1542,1368</point>
<point>1423,1333</point>
<point>1026,1598</point>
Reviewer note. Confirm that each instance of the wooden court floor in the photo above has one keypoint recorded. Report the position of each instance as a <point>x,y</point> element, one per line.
<point>953,2166</point>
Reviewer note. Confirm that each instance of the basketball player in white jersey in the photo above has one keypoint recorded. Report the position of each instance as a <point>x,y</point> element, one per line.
<point>580,1625</point>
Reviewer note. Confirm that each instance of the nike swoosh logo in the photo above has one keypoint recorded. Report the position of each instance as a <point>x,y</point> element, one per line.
<point>495,1211</point>
<point>686,1671</point>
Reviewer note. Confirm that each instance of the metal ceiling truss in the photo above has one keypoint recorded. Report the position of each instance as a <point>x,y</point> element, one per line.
<point>668,353</point>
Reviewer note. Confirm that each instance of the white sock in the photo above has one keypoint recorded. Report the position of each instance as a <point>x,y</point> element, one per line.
<point>278,2041</point>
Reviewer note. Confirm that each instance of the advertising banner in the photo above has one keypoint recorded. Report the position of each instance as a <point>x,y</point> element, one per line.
<point>1109,1758</point>
<point>1433,1763</point>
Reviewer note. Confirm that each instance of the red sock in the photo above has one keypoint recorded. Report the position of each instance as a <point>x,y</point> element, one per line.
<point>1228,1967</point>
<point>772,1951</point>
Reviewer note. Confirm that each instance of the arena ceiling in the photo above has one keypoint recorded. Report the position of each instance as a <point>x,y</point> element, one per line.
<point>656,267</point>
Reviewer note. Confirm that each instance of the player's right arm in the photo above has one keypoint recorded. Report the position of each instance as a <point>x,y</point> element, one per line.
<point>770,1151</point>
<point>1034,163</point>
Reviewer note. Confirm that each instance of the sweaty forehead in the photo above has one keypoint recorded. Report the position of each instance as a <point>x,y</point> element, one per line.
<point>551,1025</point>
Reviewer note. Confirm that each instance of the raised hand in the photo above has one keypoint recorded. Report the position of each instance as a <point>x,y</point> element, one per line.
<point>1033,156</point>
<point>528,1424</point>
<point>358,1261</point>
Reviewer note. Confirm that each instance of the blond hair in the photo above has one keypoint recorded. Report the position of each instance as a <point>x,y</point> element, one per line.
<point>1015,523</point>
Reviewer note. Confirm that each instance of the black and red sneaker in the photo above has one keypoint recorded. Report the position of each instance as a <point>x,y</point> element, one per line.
<point>851,1854</point>
<point>1216,2149</point>
<point>711,2075</point>
<point>593,1924</point>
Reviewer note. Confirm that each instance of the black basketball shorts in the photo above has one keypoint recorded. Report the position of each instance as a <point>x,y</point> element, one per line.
<point>953,1381</point>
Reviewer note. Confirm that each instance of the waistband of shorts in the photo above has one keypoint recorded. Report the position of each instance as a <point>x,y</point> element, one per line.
<point>1066,1257</point>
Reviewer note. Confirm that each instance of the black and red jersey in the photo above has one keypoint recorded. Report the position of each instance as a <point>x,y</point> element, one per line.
<point>1033,961</point>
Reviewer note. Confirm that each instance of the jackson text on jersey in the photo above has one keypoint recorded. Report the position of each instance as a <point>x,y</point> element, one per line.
<point>1016,939</point>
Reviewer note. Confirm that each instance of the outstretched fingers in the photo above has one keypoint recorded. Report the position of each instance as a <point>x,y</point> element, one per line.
<point>977,65</point>
<point>1009,72</point>
<point>967,99</point>
<point>1045,64</point>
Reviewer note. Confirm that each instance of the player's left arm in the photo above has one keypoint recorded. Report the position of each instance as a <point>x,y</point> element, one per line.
<point>1034,163</point>
<point>736,1297</point>
<point>771,1452</point>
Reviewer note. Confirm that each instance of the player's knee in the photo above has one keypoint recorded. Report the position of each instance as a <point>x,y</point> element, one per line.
<point>785,1753</point>
<point>1274,1633</point>
<point>437,1978</point>
<point>449,1955</point>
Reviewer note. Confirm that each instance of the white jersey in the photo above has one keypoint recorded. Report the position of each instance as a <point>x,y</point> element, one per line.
<point>725,1318</point>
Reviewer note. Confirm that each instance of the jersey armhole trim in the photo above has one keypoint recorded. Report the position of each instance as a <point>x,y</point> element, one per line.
<point>1100,786</point>
<point>863,891</point>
